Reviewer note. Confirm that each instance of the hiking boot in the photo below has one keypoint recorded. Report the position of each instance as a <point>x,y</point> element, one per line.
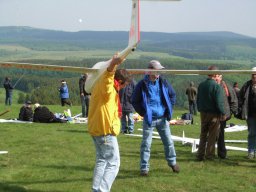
<point>143,173</point>
<point>175,168</point>
<point>124,132</point>
<point>223,157</point>
<point>199,158</point>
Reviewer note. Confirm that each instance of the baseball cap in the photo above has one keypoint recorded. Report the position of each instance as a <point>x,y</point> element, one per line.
<point>254,70</point>
<point>154,64</point>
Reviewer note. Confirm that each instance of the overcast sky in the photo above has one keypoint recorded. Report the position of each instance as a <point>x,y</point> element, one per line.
<point>114,15</point>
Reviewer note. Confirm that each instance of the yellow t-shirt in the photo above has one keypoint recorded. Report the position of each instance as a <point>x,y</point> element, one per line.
<point>103,111</point>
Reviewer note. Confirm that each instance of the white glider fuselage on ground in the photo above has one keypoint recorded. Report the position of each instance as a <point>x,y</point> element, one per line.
<point>195,142</point>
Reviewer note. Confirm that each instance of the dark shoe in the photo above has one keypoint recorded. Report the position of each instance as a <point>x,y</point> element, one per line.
<point>144,173</point>
<point>223,157</point>
<point>175,168</point>
<point>199,159</point>
<point>130,132</point>
<point>124,132</point>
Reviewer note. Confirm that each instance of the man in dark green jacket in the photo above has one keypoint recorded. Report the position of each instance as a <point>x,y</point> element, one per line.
<point>210,104</point>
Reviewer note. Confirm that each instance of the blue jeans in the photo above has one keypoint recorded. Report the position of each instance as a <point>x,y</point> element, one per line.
<point>251,122</point>
<point>162,126</point>
<point>130,124</point>
<point>85,104</point>
<point>107,163</point>
<point>8,98</point>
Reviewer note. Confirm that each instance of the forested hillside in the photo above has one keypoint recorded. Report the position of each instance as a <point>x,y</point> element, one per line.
<point>85,48</point>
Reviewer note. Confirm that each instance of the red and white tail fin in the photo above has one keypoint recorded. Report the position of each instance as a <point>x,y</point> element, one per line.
<point>134,34</point>
<point>134,37</point>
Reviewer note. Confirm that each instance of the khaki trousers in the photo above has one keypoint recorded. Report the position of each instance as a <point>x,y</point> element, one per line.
<point>210,124</point>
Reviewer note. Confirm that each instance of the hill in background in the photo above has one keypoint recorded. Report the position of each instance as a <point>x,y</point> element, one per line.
<point>201,45</point>
<point>85,48</point>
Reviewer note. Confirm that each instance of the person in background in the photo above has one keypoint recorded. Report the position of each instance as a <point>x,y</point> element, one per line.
<point>104,124</point>
<point>210,104</point>
<point>8,90</point>
<point>230,107</point>
<point>236,88</point>
<point>43,115</point>
<point>153,99</point>
<point>191,92</point>
<point>64,94</point>
<point>127,120</point>
<point>84,96</point>
<point>247,104</point>
<point>26,112</point>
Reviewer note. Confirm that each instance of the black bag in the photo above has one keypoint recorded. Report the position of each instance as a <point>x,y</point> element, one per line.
<point>187,116</point>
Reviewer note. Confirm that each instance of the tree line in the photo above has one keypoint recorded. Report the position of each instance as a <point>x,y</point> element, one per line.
<point>42,86</point>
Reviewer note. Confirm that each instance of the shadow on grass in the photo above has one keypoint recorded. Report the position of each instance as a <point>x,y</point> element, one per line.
<point>153,173</point>
<point>11,188</point>
<point>239,161</point>
<point>50,181</point>
<point>68,167</point>
<point>5,187</point>
<point>73,131</point>
<point>232,160</point>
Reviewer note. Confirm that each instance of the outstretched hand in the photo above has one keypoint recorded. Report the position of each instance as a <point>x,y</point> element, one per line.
<point>115,61</point>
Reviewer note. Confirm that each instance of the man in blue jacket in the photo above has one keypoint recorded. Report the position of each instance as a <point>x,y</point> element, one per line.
<point>153,99</point>
<point>64,94</point>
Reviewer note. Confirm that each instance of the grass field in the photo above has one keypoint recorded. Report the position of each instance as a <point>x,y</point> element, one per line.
<point>61,157</point>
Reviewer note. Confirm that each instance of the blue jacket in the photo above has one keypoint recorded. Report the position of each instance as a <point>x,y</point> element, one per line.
<point>64,92</point>
<point>140,99</point>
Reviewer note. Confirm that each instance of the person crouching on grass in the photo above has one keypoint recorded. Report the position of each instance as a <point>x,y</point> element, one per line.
<point>104,124</point>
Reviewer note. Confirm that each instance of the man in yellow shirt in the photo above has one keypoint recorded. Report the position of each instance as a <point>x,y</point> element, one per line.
<point>104,124</point>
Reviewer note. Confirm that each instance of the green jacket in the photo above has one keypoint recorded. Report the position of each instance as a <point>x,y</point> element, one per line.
<point>210,97</point>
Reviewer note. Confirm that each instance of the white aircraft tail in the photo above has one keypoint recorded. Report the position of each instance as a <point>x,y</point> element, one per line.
<point>134,34</point>
<point>134,38</point>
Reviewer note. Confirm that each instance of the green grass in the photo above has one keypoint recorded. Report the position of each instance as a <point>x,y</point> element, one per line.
<point>61,157</point>
<point>15,96</point>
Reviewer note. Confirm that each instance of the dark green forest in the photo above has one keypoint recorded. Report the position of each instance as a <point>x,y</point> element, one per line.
<point>174,50</point>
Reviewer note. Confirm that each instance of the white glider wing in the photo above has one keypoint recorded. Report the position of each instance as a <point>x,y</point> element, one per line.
<point>3,152</point>
<point>44,67</point>
<point>188,72</point>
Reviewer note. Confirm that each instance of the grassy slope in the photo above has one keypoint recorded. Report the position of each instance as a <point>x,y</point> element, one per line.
<point>60,158</point>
